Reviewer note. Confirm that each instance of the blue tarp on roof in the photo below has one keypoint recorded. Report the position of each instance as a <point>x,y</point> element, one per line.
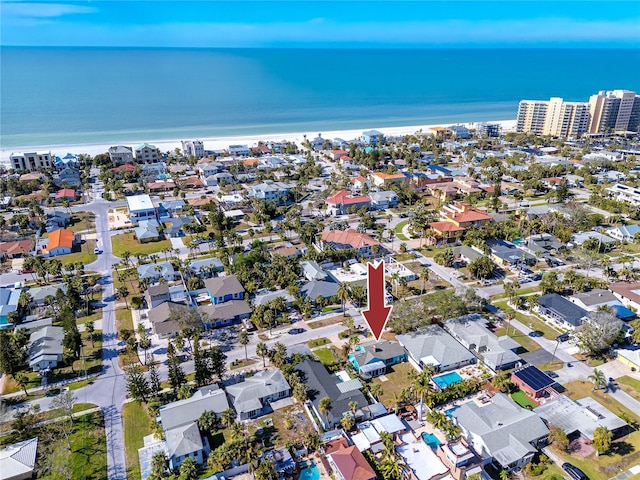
<point>623,313</point>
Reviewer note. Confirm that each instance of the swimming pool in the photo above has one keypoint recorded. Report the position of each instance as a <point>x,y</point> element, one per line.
<point>443,381</point>
<point>449,411</point>
<point>310,473</point>
<point>431,440</point>
<point>517,241</point>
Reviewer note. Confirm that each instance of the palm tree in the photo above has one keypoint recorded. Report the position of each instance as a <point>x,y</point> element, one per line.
<point>353,406</point>
<point>375,389</point>
<point>425,277</point>
<point>421,385</point>
<point>324,406</point>
<point>243,339</point>
<point>263,351</point>
<point>343,294</point>
<point>504,475</point>
<point>228,417</point>
<point>598,378</point>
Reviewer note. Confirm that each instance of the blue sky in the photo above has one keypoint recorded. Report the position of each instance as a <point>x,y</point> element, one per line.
<point>300,23</point>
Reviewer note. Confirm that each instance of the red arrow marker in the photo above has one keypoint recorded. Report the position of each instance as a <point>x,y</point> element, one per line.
<point>377,314</point>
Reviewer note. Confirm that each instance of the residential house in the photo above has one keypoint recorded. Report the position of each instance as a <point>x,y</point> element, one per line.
<point>506,254</point>
<point>460,131</point>
<point>224,289</point>
<point>252,398</point>
<point>69,177</point>
<point>164,318</point>
<point>9,298</point>
<point>628,293</point>
<point>322,384</point>
<point>369,437</point>
<point>57,219</point>
<point>604,242</point>
<point>179,423</point>
<point>335,155</point>
<point>373,137</point>
<point>595,299</point>
<point>146,153</point>
<point>193,148</point>
<point>580,416</point>
<point>170,208</point>
<point>69,160</point>
<point>45,348</point>
<point>18,460</point>
<point>209,168</point>
<point>312,271</point>
<point>270,191</point>
<point>501,431</point>
<point>66,194</point>
<point>205,268</point>
<point>382,179</point>
<point>120,154</point>
<point>140,207</point>
<point>372,360</point>
<point>445,232</point>
<point>40,294</point>
<point>464,215</point>
<point>31,161</point>
<point>263,297</point>
<point>147,231</point>
<point>227,313</point>
<point>319,288</point>
<point>536,384</point>
<point>155,271</point>
<point>498,353</point>
<point>16,248</point>
<point>157,295</point>
<point>625,233</point>
<point>239,150</point>
<point>629,358</point>
<point>289,250</point>
<point>60,242</point>
<point>191,182</point>
<point>348,239</point>
<point>349,464</point>
<point>434,346</point>
<point>383,200</point>
<point>175,227</point>
<point>558,308</point>
<point>342,202</point>
<point>421,459</point>
<point>358,183</point>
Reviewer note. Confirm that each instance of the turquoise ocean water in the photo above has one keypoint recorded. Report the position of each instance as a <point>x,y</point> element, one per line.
<point>58,96</point>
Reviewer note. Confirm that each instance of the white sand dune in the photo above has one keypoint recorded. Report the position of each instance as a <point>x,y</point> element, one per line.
<point>218,143</point>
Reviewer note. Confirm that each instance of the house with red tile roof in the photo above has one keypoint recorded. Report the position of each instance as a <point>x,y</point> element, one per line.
<point>381,179</point>
<point>339,203</point>
<point>464,215</point>
<point>349,464</point>
<point>346,240</point>
<point>358,182</point>
<point>448,232</point>
<point>66,194</point>
<point>337,154</point>
<point>16,248</point>
<point>60,243</point>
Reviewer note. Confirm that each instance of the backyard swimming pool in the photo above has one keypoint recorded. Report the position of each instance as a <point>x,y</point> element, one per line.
<point>443,381</point>
<point>431,440</point>
<point>311,472</point>
<point>449,411</point>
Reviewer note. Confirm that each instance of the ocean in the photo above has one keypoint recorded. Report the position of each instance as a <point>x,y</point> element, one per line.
<point>63,96</point>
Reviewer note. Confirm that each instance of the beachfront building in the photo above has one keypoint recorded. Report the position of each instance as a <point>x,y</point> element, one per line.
<point>373,137</point>
<point>140,207</point>
<point>193,148</point>
<point>31,161</point>
<point>553,117</point>
<point>239,150</point>
<point>614,111</point>
<point>120,155</point>
<point>146,153</point>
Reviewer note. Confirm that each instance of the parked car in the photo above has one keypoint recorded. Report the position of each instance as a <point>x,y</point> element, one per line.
<point>574,472</point>
<point>535,333</point>
<point>551,374</point>
<point>295,331</point>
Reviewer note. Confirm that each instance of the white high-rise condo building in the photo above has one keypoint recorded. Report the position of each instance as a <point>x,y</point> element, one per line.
<point>614,111</point>
<point>31,161</point>
<point>554,117</point>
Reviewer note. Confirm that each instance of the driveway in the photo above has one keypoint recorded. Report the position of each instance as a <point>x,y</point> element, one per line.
<point>537,357</point>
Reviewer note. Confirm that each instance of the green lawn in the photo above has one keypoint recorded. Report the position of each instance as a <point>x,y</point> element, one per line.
<point>85,255</point>
<point>630,385</point>
<point>397,380</point>
<point>398,230</point>
<point>124,319</point>
<point>318,342</point>
<point>521,399</point>
<point>83,221</point>
<point>137,425</point>
<point>92,361</point>
<point>528,343</point>
<point>96,315</point>
<point>125,242</point>
<point>326,356</point>
<point>242,363</point>
<point>531,321</point>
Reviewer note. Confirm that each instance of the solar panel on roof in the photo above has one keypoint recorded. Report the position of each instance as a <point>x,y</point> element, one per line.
<point>534,378</point>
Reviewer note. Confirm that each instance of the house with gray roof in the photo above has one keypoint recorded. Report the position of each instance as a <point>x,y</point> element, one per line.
<point>147,231</point>
<point>558,308</point>
<point>467,253</point>
<point>38,294</point>
<point>270,191</point>
<point>224,289</point>
<point>321,384</point>
<point>319,288</point>
<point>434,346</point>
<point>227,313</point>
<point>9,298</point>
<point>184,412</point>
<point>155,271</point>
<point>45,348</point>
<point>498,353</point>
<point>594,299</point>
<point>206,267</point>
<point>18,460</point>
<point>624,233</point>
<point>157,295</point>
<point>185,442</point>
<point>169,208</point>
<point>164,317</point>
<point>372,360</point>
<point>252,398</point>
<point>175,228</point>
<point>264,297</point>
<point>501,431</point>
<point>312,271</point>
<point>581,416</point>
<point>383,200</point>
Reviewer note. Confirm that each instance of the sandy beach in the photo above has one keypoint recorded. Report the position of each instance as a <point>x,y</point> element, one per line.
<point>218,143</point>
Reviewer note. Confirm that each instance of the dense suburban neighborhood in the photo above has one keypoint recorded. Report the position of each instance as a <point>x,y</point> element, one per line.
<point>198,313</point>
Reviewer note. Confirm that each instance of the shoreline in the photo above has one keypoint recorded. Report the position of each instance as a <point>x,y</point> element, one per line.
<point>219,143</point>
